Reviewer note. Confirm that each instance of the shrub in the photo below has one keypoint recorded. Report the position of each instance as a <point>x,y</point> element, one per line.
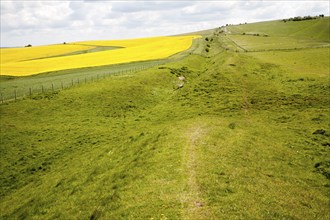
<point>299,18</point>
<point>319,131</point>
<point>232,125</point>
<point>207,50</point>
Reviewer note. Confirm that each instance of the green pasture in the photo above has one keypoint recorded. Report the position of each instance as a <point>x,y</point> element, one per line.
<point>316,30</point>
<point>279,35</point>
<point>53,81</point>
<point>243,136</point>
<point>261,43</point>
<point>307,62</point>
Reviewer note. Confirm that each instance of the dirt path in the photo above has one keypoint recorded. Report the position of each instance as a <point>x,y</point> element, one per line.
<point>194,206</point>
<point>245,103</point>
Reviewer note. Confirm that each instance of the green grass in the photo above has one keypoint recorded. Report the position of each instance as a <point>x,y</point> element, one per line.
<point>306,63</point>
<point>260,43</point>
<point>316,30</point>
<point>246,137</point>
<point>277,35</point>
<point>64,78</point>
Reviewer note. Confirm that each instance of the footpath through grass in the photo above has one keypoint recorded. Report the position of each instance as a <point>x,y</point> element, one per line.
<point>238,138</point>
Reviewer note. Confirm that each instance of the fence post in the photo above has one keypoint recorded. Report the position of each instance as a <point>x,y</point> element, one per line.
<point>30,90</point>
<point>52,87</point>
<point>78,81</point>
<point>62,85</point>
<point>72,82</point>
<point>15,95</point>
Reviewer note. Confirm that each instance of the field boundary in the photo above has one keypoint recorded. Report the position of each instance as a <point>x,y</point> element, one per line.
<point>56,86</point>
<point>68,78</point>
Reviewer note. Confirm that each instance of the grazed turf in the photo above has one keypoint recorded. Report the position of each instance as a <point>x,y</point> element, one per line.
<point>245,137</point>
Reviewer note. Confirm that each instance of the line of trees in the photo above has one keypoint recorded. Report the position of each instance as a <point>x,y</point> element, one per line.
<point>299,18</point>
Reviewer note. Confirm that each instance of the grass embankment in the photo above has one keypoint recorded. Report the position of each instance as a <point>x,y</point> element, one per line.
<point>242,139</point>
<point>59,80</point>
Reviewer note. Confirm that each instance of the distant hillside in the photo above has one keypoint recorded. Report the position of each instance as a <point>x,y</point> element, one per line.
<point>317,29</point>
<point>279,35</point>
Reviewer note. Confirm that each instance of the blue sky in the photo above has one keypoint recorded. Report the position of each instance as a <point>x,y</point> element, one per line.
<point>51,22</point>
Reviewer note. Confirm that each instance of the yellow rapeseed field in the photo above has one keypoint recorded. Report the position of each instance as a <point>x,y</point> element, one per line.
<point>134,50</point>
<point>10,55</point>
<point>120,43</point>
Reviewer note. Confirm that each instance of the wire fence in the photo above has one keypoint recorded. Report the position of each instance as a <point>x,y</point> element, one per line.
<point>52,84</point>
<point>47,87</point>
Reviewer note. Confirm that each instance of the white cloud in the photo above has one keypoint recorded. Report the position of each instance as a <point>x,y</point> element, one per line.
<point>32,15</point>
<point>138,6</point>
<point>45,22</point>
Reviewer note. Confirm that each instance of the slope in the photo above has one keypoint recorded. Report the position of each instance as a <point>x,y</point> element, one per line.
<point>239,138</point>
<point>279,35</point>
<point>317,29</point>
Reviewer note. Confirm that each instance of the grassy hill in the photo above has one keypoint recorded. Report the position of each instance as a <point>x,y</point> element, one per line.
<point>317,29</point>
<point>279,35</point>
<point>242,136</point>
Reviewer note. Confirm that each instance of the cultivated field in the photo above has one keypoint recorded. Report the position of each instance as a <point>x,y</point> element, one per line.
<point>41,59</point>
<point>12,87</point>
<point>12,55</point>
<point>245,135</point>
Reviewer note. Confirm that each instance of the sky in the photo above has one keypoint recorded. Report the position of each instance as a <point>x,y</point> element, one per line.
<point>51,22</point>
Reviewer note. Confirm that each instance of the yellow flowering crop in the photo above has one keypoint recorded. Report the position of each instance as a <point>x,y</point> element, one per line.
<point>134,50</point>
<point>9,55</point>
<point>120,43</point>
